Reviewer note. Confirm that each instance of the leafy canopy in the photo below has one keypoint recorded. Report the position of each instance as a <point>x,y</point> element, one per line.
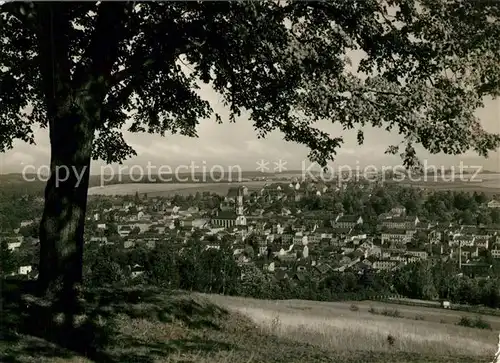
<point>426,69</point>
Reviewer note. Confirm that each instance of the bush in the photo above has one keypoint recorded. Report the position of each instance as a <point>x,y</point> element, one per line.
<point>419,317</point>
<point>354,308</point>
<point>393,313</point>
<point>478,323</point>
<point>276,324</point>
<point>465,321</point>
<point>372,310</point>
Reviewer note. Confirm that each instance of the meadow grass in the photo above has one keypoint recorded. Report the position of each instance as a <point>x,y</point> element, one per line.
<point>339,327</point>
<point>357,333</point>
<point>156,326</point>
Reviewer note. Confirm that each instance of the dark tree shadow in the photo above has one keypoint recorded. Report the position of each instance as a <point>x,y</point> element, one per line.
<point>35,327</point>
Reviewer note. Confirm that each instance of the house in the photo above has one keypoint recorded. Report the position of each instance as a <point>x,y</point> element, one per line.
<point>495,253</point>
<point>347,221</point>
<point>136,271</point>
<point>129,243</point>
<point>212,245</point>
<point>186,222</point>
<point>347,249</point>
<point>366,264</point>
<point>421,255</point>
<point>374,251</point>
<point>25,269</point>
<point>424,226</point>
<point>12,246</point>
<point>269,267</point>
<point>384,265</point>
<point>400,223</point>
<point>482,242</point>
<point>287,238</point>
<point>143,227</point>
<point>398,211</point>
<point>158,229</point>
<point>124,230</point>
<point>358,239</point>
<point>242,259</point>
<point>494,204</point>
<point>99,240</point>
<point>400,236</point>
<point>469,252</point>
<point>299,239</point>
<point>435,236</point>
<point>321,270</point>
<point>462,240</point>
<point>360,253</point>
<point>342,233</point>
<point>14,243</point>
<point>27,223</point>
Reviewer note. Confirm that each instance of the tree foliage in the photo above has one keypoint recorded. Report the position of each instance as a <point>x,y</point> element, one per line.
<point>7,259</point>
<point>90,70</point>
<point>426,68</point>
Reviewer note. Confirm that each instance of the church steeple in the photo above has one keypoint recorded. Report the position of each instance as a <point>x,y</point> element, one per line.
<point>239,202</point>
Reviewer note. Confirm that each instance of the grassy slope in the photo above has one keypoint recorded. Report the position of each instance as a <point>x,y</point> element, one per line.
<point>157,326</point>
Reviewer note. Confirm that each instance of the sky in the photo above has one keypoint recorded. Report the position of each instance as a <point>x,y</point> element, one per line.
<point>235,144</point>
<point>231,144</point>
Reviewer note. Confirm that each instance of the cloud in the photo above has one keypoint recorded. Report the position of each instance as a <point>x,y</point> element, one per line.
<point>346,151</point>
<point>237,143</point>
<point>262,147</point>
<point>222,150</point>
<point>20,158</point>
<point>166,149</point>
<point>141,150</point>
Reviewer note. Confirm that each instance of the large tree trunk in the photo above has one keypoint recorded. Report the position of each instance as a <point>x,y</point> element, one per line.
<point>73,102</point>
<point>63,220</point>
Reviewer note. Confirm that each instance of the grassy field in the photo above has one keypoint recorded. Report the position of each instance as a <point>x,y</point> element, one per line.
<point>149,325</point>
<point>336,327</point>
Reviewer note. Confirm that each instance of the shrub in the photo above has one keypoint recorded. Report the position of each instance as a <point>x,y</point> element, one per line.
<point>391,340</point>
<point>354,308</point>
<point>419,317</point>
<point>372,310</point>
<point>480,323</point>
<point>276,324</point>
<point>393,313</point>
<point>465,321</point>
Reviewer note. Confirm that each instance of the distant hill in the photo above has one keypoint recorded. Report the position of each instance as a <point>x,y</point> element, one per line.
<point>31,181</point>
<point>16,183</point>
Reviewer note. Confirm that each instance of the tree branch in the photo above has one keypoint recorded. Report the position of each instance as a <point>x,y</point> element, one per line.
<point>103,49</point>
<point>53,53</point>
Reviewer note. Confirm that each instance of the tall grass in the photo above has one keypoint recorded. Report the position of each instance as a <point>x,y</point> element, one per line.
<point>356,332</point>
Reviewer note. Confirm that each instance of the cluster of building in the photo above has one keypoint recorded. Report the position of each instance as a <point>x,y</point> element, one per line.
<point>284,242</point>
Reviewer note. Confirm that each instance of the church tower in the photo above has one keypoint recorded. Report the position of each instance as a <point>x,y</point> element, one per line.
<point>239,202</point>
